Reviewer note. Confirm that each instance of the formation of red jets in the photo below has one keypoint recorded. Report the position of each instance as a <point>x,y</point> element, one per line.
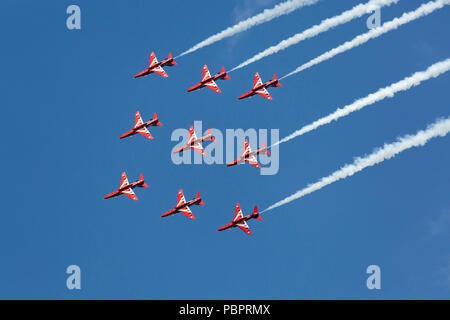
<point>195,143</point>
<point>209,81</point>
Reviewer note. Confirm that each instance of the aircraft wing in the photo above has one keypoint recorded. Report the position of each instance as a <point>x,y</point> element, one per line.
<point>144,131</point>
<point>198,147</point>
<point>252,160</point>
<point>137,119</point>
<point>244,227</point>
<point>213,86</point>
<point>153,59</point>
<point>205,73</point>
<point>263,92</point>
<point>192,135</point>
<point>130,194</point>
<point>181,199</point>
<point>181,149</point>
<point>123,180</point>
<point>237,212</point>
<point>159,70</point>
<point>257,80</point>
<point>246,150</point>
<point>187,212</point>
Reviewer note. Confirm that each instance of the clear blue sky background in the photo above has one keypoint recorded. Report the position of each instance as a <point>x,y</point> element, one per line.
<point>67,95</point>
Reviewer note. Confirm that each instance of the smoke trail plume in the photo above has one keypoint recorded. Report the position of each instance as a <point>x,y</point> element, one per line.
<point>325,25</point>
<point>417,78</point>
<point>439,128</point>
<point>422,11</point>
<point>265,16</point>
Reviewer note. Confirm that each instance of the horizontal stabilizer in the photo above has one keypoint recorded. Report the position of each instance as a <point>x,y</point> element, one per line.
<point>173,63</point>
<point>141,178</point>
<point>155,117</point>
<point>277,84</point>
<point>264,147</point>
<point>198,197</point>
<point>223,71</point>
<point>255,211</point>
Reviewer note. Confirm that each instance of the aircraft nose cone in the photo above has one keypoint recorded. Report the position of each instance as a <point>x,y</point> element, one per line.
<point>165,214</point>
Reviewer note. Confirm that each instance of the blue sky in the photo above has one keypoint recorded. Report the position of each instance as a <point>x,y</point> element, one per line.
<point>68,95</point>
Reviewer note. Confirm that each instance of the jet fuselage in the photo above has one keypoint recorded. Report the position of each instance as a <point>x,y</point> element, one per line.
<point>246,156</point>
<point>118,192</point>
<point>233,224</point>
<point>271,83</point>
<point>201,84</point>
<point>176,209</point>
<point>166,62</point>
<point>152,122</point>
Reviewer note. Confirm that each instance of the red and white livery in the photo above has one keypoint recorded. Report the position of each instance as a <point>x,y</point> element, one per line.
<point>196,143</point>
<point>141,127</point>
<point>156,67</point>
<point>183,206</point>
<point>209,81</point>
<point>240,220</point>
<point>250,156</point>
<point>260,88</point>
<point>126,188</point>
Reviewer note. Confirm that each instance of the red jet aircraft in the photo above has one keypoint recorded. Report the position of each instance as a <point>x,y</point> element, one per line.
<point>126,188</point>
<point>260,88</point>
<point>240,220</point>
<point>196,143</point>
<point>249,156</point>
<point>183,206</point>
<point>208,80</point>
<point>156,66</point>
<point>141,126</point>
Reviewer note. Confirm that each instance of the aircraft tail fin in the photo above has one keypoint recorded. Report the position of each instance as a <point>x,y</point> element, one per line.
<point>265,148</point>
<point>155,117</point>
<point>226,75</point>
<point>141,178</point>
<point>201,201</point>
<point>277,84</point>
<point>173,61</point>
<point>209,133</point>
<point>256,213</point>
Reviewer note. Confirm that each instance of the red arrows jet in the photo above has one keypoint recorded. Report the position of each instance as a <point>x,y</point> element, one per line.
<point>208,80</point>
<point>141,126</point>
<point>249,156</point>
<point>240,220</point>
<point>156,66</point>
<point>260,88</point>
<point>196,143</point>
<point>126,188</point>
<point>183,206</point>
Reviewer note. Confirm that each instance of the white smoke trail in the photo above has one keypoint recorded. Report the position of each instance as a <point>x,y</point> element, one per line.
<point>439,128</point>
<point>417,78</point>
<point>325,25</point>
<point>422,11</point>
<point>265,16</point>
